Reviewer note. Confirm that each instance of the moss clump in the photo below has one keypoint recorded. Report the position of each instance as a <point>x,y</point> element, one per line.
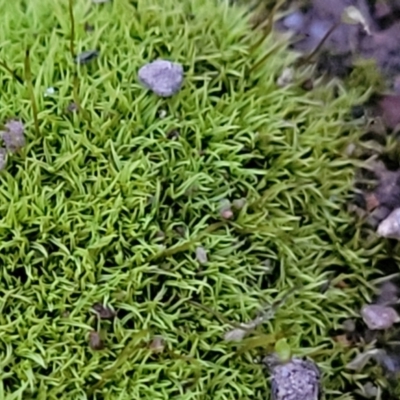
<point>105,205</point>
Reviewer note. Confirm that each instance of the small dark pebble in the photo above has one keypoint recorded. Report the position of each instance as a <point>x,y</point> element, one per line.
<point>103,312</point>
<point>86,56</point>
<point>308,85</point>
<point>95,341</point>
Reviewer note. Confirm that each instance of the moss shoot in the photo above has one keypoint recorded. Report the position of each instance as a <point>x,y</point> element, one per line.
<point>117,189</point>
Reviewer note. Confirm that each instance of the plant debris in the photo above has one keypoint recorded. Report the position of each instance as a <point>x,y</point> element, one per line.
<point>157,345</point>
<point>163,77</point>
<point>86,56</point>
<point>95,341</point>
<point>201,255</point>
<point>104,312</point>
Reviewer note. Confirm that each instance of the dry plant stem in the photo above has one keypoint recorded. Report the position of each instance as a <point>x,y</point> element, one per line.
<point>308,59</point>
<point>12,72</point>
<point>28,79</point>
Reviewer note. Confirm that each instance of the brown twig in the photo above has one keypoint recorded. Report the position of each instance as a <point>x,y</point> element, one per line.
<point>307,59</point>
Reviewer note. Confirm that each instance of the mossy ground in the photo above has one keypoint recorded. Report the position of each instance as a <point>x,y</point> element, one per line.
<point>81,207</point>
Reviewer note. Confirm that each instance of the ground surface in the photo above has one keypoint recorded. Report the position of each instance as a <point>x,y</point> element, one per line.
<point>109,203</point>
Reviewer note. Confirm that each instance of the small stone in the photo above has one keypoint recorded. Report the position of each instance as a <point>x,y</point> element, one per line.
<point>163,77</point>
<point>201,255</point>
<point>378,317</point>
<point>87,56</point>
<point>390,226</point>
<point>13,137</point>
<point>293,380</point>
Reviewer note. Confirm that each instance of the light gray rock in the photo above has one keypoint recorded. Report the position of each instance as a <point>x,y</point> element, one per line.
<point>390,226</point>
<point>378,317</point>
<point>163,77</point>
<point>297,379</point>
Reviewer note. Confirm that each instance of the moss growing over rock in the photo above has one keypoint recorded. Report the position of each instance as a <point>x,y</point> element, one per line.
<point>109,201</point>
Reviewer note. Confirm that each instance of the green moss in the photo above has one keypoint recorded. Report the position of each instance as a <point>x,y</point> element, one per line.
<point>82,207</point>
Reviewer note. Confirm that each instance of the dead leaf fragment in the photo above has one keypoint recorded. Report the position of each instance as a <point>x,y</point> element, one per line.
<point>362,359</point>
<point>353,16</point>
<point>103,312</point>
<point>201,255</point>
<point>378,317</point>
<point>157,345</point>
<point>87,56</point>
<point>235,335</point>
<point>95,341</point>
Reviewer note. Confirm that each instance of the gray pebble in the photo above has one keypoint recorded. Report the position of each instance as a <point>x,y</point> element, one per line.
<point>297,379</point>
<point>163,77</point>
<point>13,136</point>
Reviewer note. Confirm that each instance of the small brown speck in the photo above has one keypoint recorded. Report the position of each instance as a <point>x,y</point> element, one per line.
<point>103,312</point>
<point>157,345</point>
<point>173,134</point>
<point>88,27</point>
<point>95,341</point>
